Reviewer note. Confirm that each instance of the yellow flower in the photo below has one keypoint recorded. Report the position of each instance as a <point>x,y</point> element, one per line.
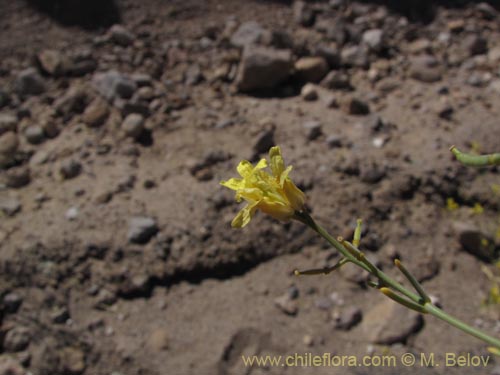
<point>275,194</point>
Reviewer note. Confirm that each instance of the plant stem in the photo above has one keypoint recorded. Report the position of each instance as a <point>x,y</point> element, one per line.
<point>387,282</point>
<point>438,313</point>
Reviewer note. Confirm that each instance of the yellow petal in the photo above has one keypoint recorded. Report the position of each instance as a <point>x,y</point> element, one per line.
<point>244,168</point>
<point>233,183</point>
<point>276,210</point>
<point>276,161</point>
<point>249,194</point>
<point>295,196</point>
<point>244,216</point>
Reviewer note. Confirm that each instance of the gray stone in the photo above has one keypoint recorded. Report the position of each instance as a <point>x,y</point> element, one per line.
<point>303,14</point>
<point>10,206</point>
<point>337,80</point>
<point>475,242</point>
<point>29,82</point>
<point>34,134</point>
<point>52,62</point>
<point>355,106</point>
<point>286,305</point>
<point>8,122</point>
<point>389,323</point>
<point>8,143</point>
<point>12,301</point>
<point>17,339</point>
<point>96,113</point>
<point>17,177</point>
<point>250,33</point>
<point>487,11</point>
<point>70,168</point>
<point>356,56</point>
<point>141,229</point>
<point>374,39</point>
<point>311,69</point>
<point>118,34</point>
<point>334,141</point>
<point>475,45</point>
<point>72,102</point>
<point>313,130</point>
<point>263,68</point>
<point>425,68</point>
<point>133,125</point>
<point>264,141</point>
<point>348,318</point>
<point>309,92</point>
<point>112,85</point>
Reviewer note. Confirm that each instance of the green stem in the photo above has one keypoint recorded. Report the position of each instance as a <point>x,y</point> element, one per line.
<point>475,160</point>
<point>387,282</point>
<point>438,313</point>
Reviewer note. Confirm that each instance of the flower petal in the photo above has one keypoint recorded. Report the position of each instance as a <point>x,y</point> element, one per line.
<point>233,183</point>
<point>276,161</point>
<point>244,168</point>
<point>295,196</point>
<point>244,216</point>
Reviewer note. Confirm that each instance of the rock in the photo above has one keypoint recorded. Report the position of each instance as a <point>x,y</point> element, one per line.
<point>323,303</point>
<point>263,68</point>
<point>70,168</point>
<point>10,206</point>
<point>444,109</point>
<point>29,82</point>
<point>72,102</point>
<point>309,92</point>
<point>313,130</point>
<point>250,33</point>
<point>141,229</point>
<point>60,315</point>
<point>9,366</point>
<point>371,173</point>
<point>355,106</point>
<point>329,53</point>
<point>133,125</point>
<point>96,113</point>
<point>286,305</point>
<point>311,69</point>
<point>159,340</point>
<point>193,75</point>
<point>475,242</point>
<point>104,299</point>
<point>135,286</point>
<point>264,141</point>
<point>374,39</point>
<point>17,177</point>
<point>112,85</point>
<point>355,56</point>
<point>118,34</point>
<point>425,68</point>
<point>487,11</point>
<point>51,62</point>
<point>8,143</point>
<point>426,268</point>
<point>303,14</point>
<point>17,339</point>
<point>71,213</point>
<point>34,134</point>
<point>8,122</point>
<point>333,141</point>
<point>389,323</point>
<point>337,80</point>
<point>475,45</point>
<point>72,361</point>
<point>4,98</point>
<point>11,302</point>
<point>348,318</point>
<point>456,25</point>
